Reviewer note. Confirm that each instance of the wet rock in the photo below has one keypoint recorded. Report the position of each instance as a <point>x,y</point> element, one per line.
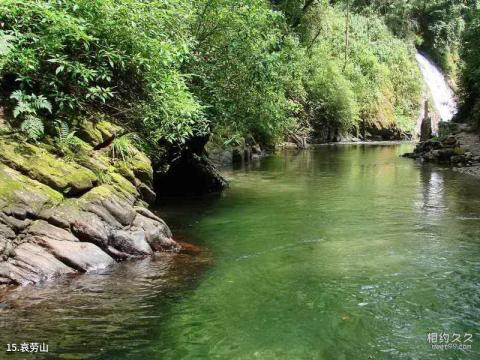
<point>147,193</point>
<point>147,213</point>
<point>56,219</point>
<point>457,159</point>
<point>81,256</point>
<point>157,233</point>
<point>18,274</point>
<point>6,248</point>
<point>131,242</point>
<point>120,210</point>
<point>17,212</point>
<point>62,216</point>
<point>287,145</point>
<point>117,254</point>
<point>221,158</point>
<point>103,214</point>
<point>38,164</point>
<point>40,261</point>
<point>90,228</point>
<point>256,149</point>
<point>117,206</point>
<point>19,194</point>
<point>412,155</point>
<point>142,168</point>
<point>42,228</point>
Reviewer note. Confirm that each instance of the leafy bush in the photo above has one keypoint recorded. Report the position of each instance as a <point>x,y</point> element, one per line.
<point>374,81</point>
<point>122,57</point>
<point>246,67</point>
<point>249,70</point>
<point>470,74</point>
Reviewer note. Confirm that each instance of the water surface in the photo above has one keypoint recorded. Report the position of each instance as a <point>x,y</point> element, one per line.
<point>344,252</point>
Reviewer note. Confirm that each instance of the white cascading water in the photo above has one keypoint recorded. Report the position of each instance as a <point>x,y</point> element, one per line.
<point>442,95</point>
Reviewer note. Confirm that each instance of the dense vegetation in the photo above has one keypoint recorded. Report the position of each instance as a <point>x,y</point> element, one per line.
<point>249,70</point>
<point>470,75</point>
<point>448,31</point>
<point>435,26</point>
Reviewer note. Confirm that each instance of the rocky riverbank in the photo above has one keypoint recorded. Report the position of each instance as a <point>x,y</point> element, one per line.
<point>458,146</point>
<point>61,215</point>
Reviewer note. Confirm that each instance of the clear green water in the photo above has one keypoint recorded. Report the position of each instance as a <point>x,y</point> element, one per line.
<point>345,252</point>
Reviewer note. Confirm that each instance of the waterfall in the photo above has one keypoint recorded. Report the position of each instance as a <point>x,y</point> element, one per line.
<point>442,95</point>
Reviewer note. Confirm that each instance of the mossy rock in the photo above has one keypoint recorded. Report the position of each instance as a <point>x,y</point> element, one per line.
<point>17,189</point>
<point>123,185</point>
<point>141,167</point>
<point>38,164</point>
<point>89,133</point>
<point>124,169</point>
<point>97,132</point>
<point>108,191</point>
<point>94,161</point>
<point>107,129</point>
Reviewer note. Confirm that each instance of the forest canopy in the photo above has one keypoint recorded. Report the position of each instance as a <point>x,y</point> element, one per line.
<point>235,71</point>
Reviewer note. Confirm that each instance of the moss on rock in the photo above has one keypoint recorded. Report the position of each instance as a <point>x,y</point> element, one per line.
<point>17,189</point>
<point>38,164</point>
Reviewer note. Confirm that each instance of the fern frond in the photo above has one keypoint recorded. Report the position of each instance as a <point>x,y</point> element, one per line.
<point>41,103</point>
<point>33,127</point>
<point>5,43</point>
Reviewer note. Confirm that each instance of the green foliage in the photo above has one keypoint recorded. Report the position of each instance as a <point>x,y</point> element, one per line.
<point>103,176</point>
<point>29,104</point>
<point>246,67</point>
<point>434,26</point>
<point>376,82</point>
<point>121,57</point>
<point>470,74</point>
<point>331,101</point>
<point>28,108</point>
<point>5,47</point>
<point>249,70</point>
<point>123,147</point>
<point>32,127</point>
<point>66,140</point>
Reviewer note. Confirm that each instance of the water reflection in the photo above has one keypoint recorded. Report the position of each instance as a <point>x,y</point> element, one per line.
<point>94,314</point>
<point>343,252</point>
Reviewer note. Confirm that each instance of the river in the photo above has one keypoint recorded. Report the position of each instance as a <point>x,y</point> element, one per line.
<point>343,252</point>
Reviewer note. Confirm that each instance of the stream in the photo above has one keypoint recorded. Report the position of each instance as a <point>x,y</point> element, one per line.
<point>342,252</point>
